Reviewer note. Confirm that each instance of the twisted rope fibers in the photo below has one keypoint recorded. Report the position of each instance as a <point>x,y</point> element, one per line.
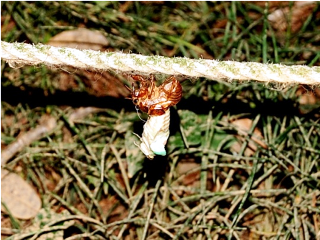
<point>17,54</point>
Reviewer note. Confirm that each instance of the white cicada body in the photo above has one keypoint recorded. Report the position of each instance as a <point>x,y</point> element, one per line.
<point>155,135</point>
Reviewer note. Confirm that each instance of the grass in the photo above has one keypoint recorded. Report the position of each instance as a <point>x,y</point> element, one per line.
<point>96,182</point>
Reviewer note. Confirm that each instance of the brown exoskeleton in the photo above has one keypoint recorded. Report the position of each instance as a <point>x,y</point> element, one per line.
<point>156,100</point>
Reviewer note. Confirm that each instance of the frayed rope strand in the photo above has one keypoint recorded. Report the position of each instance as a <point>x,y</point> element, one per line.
<point>19,54</point>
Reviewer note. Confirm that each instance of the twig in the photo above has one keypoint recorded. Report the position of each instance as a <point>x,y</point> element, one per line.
<point>19,54</point>
<point>49,123</point>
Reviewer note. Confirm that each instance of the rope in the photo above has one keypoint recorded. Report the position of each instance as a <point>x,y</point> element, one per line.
<point>19,54</point>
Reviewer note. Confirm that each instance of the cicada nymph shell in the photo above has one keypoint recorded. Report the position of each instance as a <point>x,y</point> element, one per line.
<point>156,101</point>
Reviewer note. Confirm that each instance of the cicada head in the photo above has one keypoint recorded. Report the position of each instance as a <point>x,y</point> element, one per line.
<point>140,97</point>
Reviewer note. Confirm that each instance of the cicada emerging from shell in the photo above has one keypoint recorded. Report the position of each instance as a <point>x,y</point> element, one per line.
<point>156,101</point>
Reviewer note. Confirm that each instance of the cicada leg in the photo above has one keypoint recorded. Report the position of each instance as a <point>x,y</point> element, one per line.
<point>152,86</point>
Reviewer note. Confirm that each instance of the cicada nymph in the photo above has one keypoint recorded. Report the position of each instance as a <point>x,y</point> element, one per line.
<point>156,101</point>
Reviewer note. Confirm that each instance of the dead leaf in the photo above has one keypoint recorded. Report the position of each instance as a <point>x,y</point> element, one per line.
<point>243,126</point>
<point>19,197</point>
<point>98,84</point>
<point>281,16</point>
<point>81,38</point>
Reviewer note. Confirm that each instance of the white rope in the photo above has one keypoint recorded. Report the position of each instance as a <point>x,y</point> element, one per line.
<point>17,54</point>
